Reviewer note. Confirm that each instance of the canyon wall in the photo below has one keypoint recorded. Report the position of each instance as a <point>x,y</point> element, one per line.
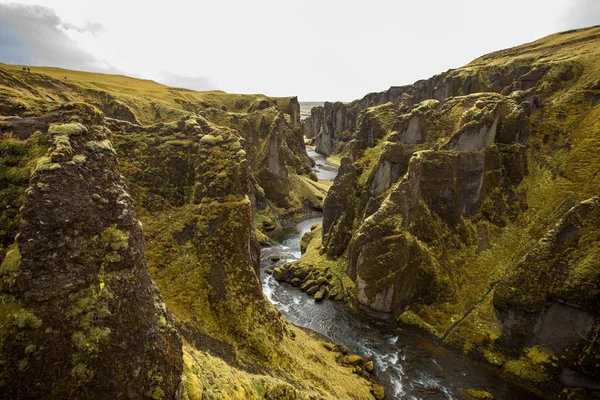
<point>465,207</point>
<point>130,244</point>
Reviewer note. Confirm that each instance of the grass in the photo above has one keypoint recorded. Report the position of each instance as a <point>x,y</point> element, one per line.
<point>318,375</point>
<point>149,101</point>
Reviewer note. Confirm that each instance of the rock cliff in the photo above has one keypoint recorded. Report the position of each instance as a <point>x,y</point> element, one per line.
<point>130,253</point>
<point>466,207</point>
<point>76,292</point>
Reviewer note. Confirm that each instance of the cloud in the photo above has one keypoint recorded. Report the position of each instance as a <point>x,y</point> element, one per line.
<point>35,35</point>
<point>580,14</point>
<point>188,82</point>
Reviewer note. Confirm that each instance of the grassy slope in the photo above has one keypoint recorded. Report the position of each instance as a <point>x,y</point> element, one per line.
<point>150,101</point>
<point>564,169</point>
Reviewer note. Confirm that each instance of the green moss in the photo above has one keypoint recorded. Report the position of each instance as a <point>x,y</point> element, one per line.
<point>494,358</point>
<point>479,394</point>
<point>211,140</point>
<point>317,263</point>
<point>479,328</point>
<point>23,364</point>
<point>88,315</point>
<point>69,129</point>
<point>27,319</point>
<point>115,238</point>
<point>79,159</point>
<point>99,146</point>
<point>158,393</point>
<point>410,318</point>
<point>534,365</point>
<point>17,159</point>
<point>11,261</point>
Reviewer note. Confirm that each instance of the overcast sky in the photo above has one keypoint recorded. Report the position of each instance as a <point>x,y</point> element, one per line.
<point>317,50</point>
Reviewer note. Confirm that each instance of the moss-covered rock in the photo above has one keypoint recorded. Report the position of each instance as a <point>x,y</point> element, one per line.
<point>458,178</point>
<point>76,292</point>
<point>551,296</point>
<point>338,210</point>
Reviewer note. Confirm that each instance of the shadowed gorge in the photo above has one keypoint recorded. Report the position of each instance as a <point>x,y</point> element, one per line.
<point>155,241</point>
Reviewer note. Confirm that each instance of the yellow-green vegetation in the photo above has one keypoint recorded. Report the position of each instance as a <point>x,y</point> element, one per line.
<point>310,371</point>
<point>17,160</point>
<point>476,394</point>
<point>202,273</point>
<point>201,251</point>
<point>563,170</point>
<point>480,327</point>
<point>11,261</point>
<point>533,365</point>
<point>179,113</point>
<point>468,171</point>
<point>131,99</point>
<point>88,314</point>
<point>334,159</point>
<point>314,259</point>
<point>202,169</point>
<point>307,192</point>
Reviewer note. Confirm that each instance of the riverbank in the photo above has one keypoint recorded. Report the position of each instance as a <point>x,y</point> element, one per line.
<point>407,365</point>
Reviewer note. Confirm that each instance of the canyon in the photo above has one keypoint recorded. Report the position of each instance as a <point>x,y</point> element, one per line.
<point>144,232</point>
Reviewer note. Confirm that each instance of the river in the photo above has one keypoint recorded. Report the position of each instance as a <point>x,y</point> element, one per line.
<point>409,367</point>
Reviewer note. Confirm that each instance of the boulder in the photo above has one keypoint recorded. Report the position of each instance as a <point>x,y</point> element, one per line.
<point>378,392</point>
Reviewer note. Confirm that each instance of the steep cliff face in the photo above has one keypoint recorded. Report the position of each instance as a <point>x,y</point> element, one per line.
<point>194,200</point>
<point>281,170</point>
<point>81,317</point>
<point>457,180</point>
<point>76,292</point>
<point>338,215</point>
<point>332,123</point>
<point>550,300</point>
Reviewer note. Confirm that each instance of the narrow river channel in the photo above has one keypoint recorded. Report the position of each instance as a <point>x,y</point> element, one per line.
<point>409,367</point>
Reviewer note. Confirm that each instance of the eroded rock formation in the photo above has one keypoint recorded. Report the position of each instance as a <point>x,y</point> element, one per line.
<point>81,315</point>
<point>445,220</point>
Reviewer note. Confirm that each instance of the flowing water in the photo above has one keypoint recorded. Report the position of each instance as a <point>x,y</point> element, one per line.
<point>408,367</point>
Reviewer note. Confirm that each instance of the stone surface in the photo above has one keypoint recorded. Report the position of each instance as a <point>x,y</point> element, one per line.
<point>337,212</point>
<point>83,301</point>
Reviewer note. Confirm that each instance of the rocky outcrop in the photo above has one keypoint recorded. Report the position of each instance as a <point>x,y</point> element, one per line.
<point>76,293</point>
<point>333,123</point>
<point>457,180</point>
<point>110,106</point>
<point>81,299</point>
<point>502,121</point>
<point>191,206</point>
<point>337,213</point>
<point>551,298</point>
<point>277,159</point>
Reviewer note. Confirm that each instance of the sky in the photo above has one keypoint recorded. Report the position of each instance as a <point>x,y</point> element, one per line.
<point>315,49</point>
